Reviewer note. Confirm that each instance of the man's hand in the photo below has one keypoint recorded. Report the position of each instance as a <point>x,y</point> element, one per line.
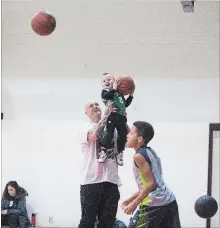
<point>126,203</point>
<point>130,199</point>
<point>130,209</point>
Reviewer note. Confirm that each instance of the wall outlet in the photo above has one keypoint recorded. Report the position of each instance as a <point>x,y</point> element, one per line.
<point>50,219</point>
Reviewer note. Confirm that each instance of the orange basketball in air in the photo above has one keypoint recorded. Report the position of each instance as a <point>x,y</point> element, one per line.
<point>43,23</point>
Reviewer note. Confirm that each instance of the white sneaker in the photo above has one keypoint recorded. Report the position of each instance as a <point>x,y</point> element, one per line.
<point>119,159</point>
<point>102,156</point>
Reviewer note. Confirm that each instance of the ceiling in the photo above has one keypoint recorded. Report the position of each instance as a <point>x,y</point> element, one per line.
<point>134,37</point>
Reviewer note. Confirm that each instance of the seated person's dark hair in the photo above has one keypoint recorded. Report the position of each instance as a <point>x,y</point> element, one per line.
<point>15,185</point>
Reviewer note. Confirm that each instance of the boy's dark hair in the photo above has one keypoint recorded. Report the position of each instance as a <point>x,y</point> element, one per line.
<point>145,130</point>
<point>17,188</point>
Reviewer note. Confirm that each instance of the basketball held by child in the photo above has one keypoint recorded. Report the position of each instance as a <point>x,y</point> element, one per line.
<point>126,85</point>
<point>43,23</point>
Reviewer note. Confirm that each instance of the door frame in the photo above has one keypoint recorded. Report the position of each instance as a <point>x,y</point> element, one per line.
<point>212,127</point>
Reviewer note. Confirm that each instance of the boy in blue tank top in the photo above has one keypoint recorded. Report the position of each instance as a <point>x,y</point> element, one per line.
<point>157,204</point>
<point>116,120</point>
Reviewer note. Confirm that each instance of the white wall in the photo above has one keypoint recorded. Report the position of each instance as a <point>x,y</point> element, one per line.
<point>42,121</point>
<point>141,38</point>
<point>47,80</point>
<point>163,100</point>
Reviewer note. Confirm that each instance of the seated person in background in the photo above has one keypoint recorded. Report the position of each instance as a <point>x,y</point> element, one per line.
<point>13,206</point>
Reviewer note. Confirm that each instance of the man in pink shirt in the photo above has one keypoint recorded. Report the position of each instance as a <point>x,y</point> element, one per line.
<point>99,192</point>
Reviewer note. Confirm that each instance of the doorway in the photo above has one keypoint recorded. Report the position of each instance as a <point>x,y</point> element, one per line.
<point>213,171</point>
